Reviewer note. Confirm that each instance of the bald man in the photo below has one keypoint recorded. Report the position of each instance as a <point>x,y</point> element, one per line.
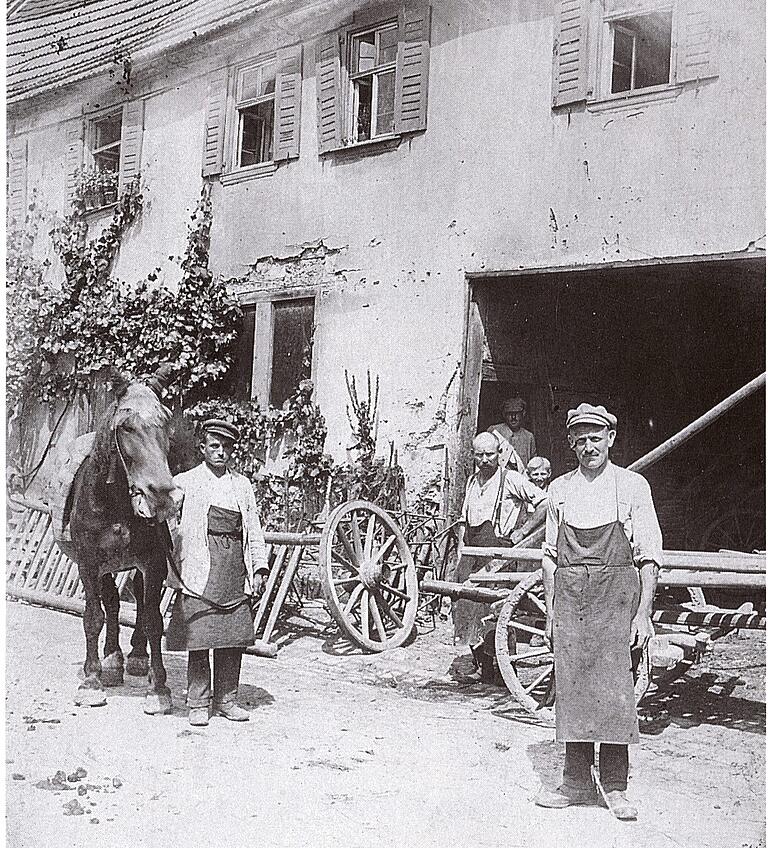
<point>494,515</point>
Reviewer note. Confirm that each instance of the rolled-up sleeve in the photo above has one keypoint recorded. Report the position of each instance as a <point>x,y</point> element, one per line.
<point>522,489</point>
<point>646,532</point>
<point>549,545</point>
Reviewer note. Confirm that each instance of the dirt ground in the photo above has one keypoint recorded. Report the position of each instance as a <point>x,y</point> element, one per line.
<point>349,750</point>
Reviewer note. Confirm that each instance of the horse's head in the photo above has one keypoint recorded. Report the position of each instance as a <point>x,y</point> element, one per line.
<point>140,427</point>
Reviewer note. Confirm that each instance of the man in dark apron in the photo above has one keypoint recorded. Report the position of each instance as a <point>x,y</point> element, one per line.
<point>601,556</point>
<point>494,515</point>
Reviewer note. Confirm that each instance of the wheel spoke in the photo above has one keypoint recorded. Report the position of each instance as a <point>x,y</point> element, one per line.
<point>356,539</point>
<point>353,598</point>
<point>537,602</point>
<point>345,581</point>
<point>517,625</point>
<point>341,533</point>
<point>377,617</point>
<point>390,612</point>
<point>369,531</point>
<point>383,550</point>
<point>527,655</point>
<point>339,558</point>
<point>396,592</point>
<point>365,626</point>
<point>540,679</point>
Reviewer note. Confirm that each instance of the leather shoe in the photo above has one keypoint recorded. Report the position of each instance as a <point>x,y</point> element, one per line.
<point>558,798</point>
<point>198,716</point>
<point>231,711</point>
<point>619,806</point>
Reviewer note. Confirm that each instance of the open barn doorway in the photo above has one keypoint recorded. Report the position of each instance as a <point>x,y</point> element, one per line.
<point>659,345</point>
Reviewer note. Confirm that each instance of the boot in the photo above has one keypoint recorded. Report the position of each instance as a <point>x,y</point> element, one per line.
<point>619,806</point>
<point>561,797</point>
<point>198,716</point>
<point>231,711</point>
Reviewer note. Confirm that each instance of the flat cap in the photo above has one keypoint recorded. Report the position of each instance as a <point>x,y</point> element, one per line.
<point>219,427</point>
<point>586,413</point>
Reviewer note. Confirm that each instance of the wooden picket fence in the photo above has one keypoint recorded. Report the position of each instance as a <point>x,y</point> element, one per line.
<point>37,571</point>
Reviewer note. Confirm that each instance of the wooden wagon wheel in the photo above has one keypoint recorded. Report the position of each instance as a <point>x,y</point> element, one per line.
<point>525,667</point>
<point>368,576</point>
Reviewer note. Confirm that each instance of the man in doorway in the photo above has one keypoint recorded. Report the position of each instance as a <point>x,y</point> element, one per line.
<point>518,445</point>
<point>222,559</point>
<point>494,515</point>
<point>601,556</point>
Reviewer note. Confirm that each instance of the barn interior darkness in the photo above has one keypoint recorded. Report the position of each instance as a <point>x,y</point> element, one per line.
<point>658,345</point>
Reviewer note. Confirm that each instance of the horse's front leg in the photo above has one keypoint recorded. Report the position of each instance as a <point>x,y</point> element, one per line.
<point>112,666</point>
<point>138,660</point>
<point>90,692</point>
<point>158,699</point>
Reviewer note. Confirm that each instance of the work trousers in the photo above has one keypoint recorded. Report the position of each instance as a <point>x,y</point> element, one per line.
<point>580,756</point>
<point>226,676</point>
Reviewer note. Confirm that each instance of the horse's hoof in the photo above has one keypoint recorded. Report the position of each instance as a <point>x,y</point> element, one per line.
<point>112,669</point>
<point>137,666</point>
<point>158,703</point>
<point>87,696</point>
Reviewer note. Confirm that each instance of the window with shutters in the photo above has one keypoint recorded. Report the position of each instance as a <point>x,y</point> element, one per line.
<point>372,80</point>
<point>372,76</point>
<point>630,49</point>
<point>255,114</point>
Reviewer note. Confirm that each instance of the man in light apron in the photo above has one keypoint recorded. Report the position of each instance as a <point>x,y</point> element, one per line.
<point>601,556</point>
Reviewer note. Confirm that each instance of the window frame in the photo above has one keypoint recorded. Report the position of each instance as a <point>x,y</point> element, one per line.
<point>352,93</point>
<point>92,150</point>
<point>264,332</point>
<point>234,169</point>
<point>602,61</point>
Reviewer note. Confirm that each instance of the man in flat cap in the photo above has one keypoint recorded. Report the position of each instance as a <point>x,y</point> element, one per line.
<point>601,556</point>
<point>517,445</point>
<point>222,558</point>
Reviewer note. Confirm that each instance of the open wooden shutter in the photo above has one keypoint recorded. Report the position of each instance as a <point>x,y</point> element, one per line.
<point>329,93</point>
<point>215,120</point>
<point>696,41</point>
<point>130,144</point>
<point>288,103</point>
<point>412,74</point>
<point>74,161</point>
<point>17,179</point>
<point>569,70</point>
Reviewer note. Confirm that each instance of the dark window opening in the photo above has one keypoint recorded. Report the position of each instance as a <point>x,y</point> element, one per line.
<point>243,358</point>
<point>256,133</point>
<point>105,150</point>
<point>292,331</point>
<point>642,49</point>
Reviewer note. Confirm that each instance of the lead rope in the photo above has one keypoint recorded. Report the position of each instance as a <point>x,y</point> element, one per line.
<point>165,539</point>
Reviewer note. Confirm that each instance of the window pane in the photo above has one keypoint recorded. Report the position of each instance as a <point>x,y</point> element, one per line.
<point>387,45</point>
<point>365,52</point>
<point>257,82</point>
<point>293,325</point>
<point>268,72</point>
<point>385,106</point>
<point>109,160</point>
<point>256,133</point>
<point>107,130</point>
<point>654,40</point>
<point>652,37</point>
<point>364,88</point>
<point>622,61</point>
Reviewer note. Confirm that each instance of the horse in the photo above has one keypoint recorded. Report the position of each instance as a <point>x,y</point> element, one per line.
<point>120,499</point>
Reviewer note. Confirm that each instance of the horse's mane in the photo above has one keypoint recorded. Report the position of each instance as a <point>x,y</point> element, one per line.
<point>104,442</point>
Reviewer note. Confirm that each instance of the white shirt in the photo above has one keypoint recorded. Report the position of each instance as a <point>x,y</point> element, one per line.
<point>584,503</point>
<point>221,490</point>
<point>480,499</point>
